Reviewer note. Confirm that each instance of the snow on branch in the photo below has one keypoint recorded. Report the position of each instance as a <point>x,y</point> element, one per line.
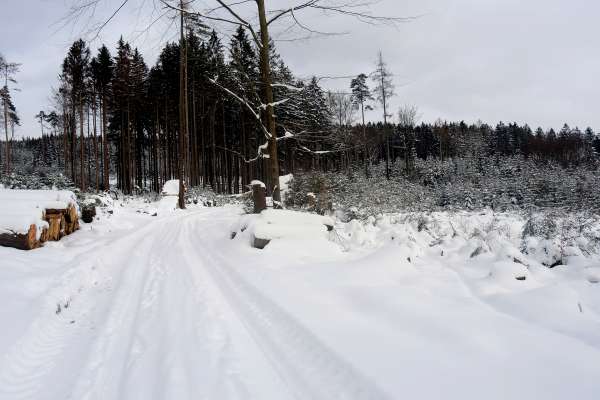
<point>274,104</point>
<point>240,155</point>
<point>288,87</point>
<point>322,152</point>
<point>245,103</point>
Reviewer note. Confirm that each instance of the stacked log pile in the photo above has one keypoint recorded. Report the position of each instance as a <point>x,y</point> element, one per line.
<point>28,218</point>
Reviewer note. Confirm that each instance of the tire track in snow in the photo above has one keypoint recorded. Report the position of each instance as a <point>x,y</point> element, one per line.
<point>115,347</point>
<point>204,342</point>
<point>310,369</point>
<point>39,352</point>
<point>168,343</point>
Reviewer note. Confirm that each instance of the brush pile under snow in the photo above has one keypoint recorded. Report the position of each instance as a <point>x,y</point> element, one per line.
<point>498,243</point>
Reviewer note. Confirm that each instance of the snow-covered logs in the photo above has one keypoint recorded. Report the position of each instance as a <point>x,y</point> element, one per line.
<point>29,218</point>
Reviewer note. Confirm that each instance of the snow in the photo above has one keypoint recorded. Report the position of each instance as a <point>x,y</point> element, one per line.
<point>171,188</point>
<point>422,306</point>
<point>284,184</point>
<point>19,209</point>
<point>259,183</point>
<point>288,87</point>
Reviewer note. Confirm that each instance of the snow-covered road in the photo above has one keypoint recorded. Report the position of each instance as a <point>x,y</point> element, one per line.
<point>169,308</point>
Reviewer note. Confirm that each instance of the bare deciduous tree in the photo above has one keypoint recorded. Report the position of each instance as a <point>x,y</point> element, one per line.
<point>383,90</point>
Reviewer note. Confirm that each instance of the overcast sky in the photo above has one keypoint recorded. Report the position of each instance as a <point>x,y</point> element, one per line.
<point>529,61</point>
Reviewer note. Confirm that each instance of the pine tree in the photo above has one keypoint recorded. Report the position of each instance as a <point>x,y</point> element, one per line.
<point>361,95</point>
<point>120,123</point>
<point>102,76</point>
<point>245,76</point>
<point>75,71</point>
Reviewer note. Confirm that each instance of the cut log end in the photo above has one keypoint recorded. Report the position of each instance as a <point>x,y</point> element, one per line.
<point>61,222</point>
<point>21,241</point>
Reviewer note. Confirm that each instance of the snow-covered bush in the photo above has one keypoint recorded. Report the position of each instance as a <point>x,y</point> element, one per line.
<point>37,181</point>
<point>508,184</point>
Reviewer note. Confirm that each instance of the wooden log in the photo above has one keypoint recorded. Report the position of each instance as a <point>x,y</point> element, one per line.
<point>44,235</point>
<point>55,223</point>
<point>62,221</point>
<point>22,241</point>
<point>63,227</point>
<point>71,220</point>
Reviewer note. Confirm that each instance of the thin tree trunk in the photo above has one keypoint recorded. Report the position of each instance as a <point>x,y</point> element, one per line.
<point>364,131</point>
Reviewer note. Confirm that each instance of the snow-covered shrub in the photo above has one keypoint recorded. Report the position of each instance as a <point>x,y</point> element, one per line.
<point>37,181</point>
<point>508,184</point>
<point>309,191</point>
<point>541,225</point>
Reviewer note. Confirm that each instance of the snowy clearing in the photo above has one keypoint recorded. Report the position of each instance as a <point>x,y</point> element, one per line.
<point>136,306</point>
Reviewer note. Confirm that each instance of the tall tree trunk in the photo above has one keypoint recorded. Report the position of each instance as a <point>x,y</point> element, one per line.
<point>7,143</point>
<point>183,118</point>
<point>66,140</point>
<point>266,80</point>
<point>87,147</point>
<point>96,161</point>
<point>364,132</point>
<point>82,146</point>
<point>105,155</point>
<point>385,130</point>
<point>203,143</point>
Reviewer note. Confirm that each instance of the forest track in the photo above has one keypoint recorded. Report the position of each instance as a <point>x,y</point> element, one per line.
<point>310,369</point>
<point>156,312</point>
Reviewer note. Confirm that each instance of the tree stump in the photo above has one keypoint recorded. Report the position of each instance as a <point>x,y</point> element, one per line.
<point>88,213</point>
<point>259,196</point>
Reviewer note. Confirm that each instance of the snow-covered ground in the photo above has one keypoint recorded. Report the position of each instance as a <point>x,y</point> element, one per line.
<point>167,306</point>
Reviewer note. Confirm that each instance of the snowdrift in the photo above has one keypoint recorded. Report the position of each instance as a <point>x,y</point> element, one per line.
<point>502,249</point>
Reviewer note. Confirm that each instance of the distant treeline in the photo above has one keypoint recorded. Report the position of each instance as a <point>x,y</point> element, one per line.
<point>114,116</point>
<point>570,148</point>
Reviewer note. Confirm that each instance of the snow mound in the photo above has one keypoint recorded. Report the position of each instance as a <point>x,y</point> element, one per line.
<point>286,228</point>
<point>19,209</point>
<point>171,188</point>
<point>279,224</point>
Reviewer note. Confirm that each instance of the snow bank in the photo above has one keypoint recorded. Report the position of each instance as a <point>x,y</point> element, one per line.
<point>19,209</point>
<point>496,252</point>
